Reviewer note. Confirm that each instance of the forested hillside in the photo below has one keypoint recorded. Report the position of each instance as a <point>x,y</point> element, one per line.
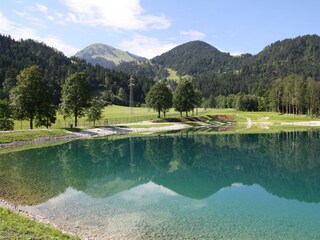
<point>300,55</point>
<point>196,57</point>
<point>213,72</point>
<point>218,73</point>
<point>55,67</point>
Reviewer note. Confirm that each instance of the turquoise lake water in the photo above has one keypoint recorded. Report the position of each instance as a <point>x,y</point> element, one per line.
<point>248,186</point>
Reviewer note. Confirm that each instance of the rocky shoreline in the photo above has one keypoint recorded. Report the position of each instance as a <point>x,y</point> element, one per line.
<point>40,219</point>
<point>97,132</point>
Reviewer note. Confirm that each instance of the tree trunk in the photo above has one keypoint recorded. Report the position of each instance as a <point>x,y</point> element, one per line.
<point>158,113</point>
<point>76,119</point>
<point>186,113</point>
<point>31,122</point>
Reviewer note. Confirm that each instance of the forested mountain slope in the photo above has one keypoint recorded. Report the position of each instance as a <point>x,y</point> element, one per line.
<point>252,74</point>
<point>55,67</point>
<point>196,57</point>
<point>300,55</point>
<point>213,72</point>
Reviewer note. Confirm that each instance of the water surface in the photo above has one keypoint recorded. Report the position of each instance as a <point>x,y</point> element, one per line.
<point>254,186</point>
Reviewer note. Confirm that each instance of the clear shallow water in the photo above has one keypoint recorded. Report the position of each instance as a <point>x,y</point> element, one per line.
<point>183,187</point>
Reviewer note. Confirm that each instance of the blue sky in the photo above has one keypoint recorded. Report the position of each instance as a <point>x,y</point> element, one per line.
<point>151,27</point>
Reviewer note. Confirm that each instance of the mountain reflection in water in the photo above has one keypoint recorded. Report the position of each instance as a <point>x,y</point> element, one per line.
<point>286,165</point>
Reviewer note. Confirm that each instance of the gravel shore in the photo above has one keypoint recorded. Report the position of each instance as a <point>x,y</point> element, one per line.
<point>99,132</point>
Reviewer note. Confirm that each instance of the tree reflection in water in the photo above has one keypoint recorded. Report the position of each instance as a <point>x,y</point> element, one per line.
<point>285,164</point>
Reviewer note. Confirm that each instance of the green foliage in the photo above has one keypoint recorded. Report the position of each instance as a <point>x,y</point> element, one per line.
<point>313,97</point>
<point>14,226</point>
<point>48,116</point>
<point>75,96</point>
<point>55,66</point>
<point>30,99</point>
<point>94,112</point>
<point>184,97</point>
<point>194,58</point>
<point>159,98</point>
<point>292,94</point>
<point>246,73</point>
<point>8,84</point>
<point>246,102</point>
<point>6,123</point>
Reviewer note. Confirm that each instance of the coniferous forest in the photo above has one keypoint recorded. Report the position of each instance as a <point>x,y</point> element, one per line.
<point>283,77</point>
<point>56,67</point>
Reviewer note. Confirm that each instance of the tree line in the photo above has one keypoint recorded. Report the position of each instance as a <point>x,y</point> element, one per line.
<point>293,94</point>
<point>31,99</point>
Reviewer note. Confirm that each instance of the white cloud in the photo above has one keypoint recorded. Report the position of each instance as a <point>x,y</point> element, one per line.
<point>42,8</point>
<point>146,46</point>
<point>18,31</point>
<point>193,34</point>
<point>60,45</point>
<point>14,30</point>
<point>115,14</point>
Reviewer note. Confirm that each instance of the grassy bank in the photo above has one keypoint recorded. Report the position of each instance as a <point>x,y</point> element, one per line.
<point>15,226</point>
<point>7,137</point>
<point>120,114</point>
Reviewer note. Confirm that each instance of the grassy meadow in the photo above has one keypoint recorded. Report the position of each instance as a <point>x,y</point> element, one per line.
<point>120,114</point>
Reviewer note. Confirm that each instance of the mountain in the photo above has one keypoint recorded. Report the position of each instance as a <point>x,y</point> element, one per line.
<point>299,55</point>
<point>55,67</point>
<point>107,56</point>
<point>218,73</point>
<point>212,71</point>
<point>196,57</point>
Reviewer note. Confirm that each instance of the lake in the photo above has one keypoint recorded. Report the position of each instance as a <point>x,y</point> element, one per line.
<point>237,186</point>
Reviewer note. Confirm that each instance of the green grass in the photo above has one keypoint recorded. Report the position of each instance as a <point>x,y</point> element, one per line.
<point>174,76</point>
<point>120,114</point>
<point>240,116</point>
<point>14,226</point>
<point>7,137</point>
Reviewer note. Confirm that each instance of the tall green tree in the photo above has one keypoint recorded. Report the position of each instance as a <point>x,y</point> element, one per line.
<point>313,96</point>
<point>159,98</point>
<point>197,99</point>
<point>29,98</point>
<point>6,122</point>
<point>184,97</point>
<point>299,94</point>
<point>47,116</point>
<point>8,85</point>
<point>276,94</point>
<point>75,96</point>
<point>94,112</point>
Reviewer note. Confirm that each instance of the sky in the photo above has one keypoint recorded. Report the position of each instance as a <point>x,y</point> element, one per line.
<point>151,27</point>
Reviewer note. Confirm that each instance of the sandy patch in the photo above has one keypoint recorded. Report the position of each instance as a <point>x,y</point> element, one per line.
<point>107,131</point>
